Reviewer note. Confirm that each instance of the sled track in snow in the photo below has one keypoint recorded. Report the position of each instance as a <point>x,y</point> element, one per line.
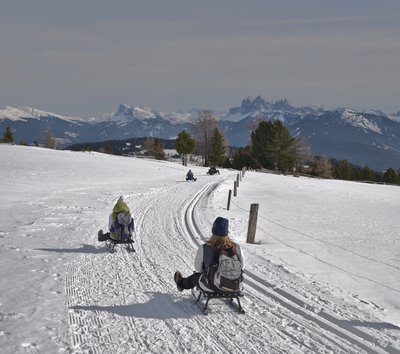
<point>289,301</point>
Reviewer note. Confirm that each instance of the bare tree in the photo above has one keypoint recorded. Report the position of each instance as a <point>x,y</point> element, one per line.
<point>253,124</point>
<point>303,152</point>
<point>155,148</point>
<point>322,167</point>
<point>48,139</point>
<point>203,130</point>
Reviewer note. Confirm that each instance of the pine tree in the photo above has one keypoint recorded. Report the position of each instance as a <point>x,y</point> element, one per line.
<point>273,146</point>
<point>367,174</point>
<point>343,170</point>
<point>184,145</point>
<point>218,148</point>
<point>109,149</point>
<point>390,176</point>
<point>8,135</point>
<point>243,158</point>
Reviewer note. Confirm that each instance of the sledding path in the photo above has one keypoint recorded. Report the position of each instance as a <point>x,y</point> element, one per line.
<point>340,330</point>
<point>133,303</point>
<point>128,303</point>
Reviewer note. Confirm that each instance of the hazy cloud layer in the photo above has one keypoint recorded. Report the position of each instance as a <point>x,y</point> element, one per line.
<point>85,57</point>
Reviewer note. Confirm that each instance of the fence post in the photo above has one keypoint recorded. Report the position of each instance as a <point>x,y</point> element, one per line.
<point>251,231</point>
<point>229,199</point>
<point>234,189</point>
<point>237,180</point>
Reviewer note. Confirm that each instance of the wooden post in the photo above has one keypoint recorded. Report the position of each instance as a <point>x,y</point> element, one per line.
<point>229,199</point>
<point>251,231</point>
<point>234,189</point>
<point>237,180</point>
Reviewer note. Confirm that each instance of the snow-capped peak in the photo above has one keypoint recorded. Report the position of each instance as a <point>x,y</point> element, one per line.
<point>124,109</point>
<point>138,112</point>
<point>23,113</point>
<point>126,113</point>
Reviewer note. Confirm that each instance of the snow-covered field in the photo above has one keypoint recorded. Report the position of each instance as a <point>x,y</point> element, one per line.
<point>323,276</point>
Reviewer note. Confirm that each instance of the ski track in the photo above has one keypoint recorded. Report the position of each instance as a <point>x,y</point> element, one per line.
<point>128,303</point>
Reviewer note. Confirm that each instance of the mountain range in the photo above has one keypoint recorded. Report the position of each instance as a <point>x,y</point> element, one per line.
<point>363,138</point>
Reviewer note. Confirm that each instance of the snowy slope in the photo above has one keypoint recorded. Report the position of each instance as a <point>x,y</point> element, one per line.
<point>306,290</point>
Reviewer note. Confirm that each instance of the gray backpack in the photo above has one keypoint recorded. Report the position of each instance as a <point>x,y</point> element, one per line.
<point>226,273</point>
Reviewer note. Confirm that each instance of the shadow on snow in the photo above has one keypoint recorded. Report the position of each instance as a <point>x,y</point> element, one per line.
<point>84,249</point>
<point>160,306</point>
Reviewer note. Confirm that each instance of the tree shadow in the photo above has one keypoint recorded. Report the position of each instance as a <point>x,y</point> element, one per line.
<point>83,249</point>
<point>160,306</point>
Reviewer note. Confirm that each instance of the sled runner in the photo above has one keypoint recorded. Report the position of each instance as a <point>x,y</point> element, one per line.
<point>199,295</point>
<point>110,244</point>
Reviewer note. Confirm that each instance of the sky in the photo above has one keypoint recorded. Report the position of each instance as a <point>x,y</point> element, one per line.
<point>85,57</point>
<point>323,275</point>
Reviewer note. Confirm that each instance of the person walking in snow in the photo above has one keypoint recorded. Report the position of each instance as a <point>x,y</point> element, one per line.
<point>120,224</point>
<point>207,258</point>
<point>190,176</point>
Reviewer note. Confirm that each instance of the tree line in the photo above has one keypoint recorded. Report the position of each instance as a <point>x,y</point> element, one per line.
<point>48,139</point>
<point>270,147</point>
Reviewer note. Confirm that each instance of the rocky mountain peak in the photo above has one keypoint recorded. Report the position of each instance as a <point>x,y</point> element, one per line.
<point>124,110</point>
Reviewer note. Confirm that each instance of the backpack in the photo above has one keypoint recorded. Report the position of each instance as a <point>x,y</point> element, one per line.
<point>122,227</point>
<point>226,272</point>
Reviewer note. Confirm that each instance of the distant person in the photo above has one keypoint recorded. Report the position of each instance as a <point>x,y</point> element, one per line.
<point>210,276</point>
<point>190,176</point>
<point>212,171</point>
<point>120,224</point>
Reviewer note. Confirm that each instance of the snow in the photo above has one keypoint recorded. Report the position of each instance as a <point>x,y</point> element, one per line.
<point>359,120</point>
<point>234,117</point>
<point>394,117</point>
<point>23,113</point>
<point>323,275</point>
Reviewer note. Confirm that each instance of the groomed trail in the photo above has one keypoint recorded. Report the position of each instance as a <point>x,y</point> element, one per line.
<point>128,303</point>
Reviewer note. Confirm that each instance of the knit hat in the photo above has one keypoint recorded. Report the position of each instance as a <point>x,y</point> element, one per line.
<point>220,227</point>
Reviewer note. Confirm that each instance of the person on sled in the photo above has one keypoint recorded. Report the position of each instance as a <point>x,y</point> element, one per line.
<point>121,225</point>
<point>190,176</point>
<point>207,257</point>
<point>212,171</point>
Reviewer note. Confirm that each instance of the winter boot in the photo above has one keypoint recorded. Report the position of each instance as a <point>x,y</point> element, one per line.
<point>100,235</point>
<point>178,280</point>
